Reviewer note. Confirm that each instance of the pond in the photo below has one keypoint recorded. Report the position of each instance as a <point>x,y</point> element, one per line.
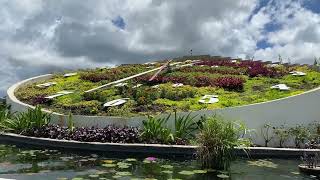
<point>38,164</point>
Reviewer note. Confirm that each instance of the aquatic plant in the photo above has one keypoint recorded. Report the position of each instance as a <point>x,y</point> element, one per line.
<point>153,159</point>
<point>217,140</point>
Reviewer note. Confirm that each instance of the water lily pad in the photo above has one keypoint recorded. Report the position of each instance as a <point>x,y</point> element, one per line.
<point>263,163</point>
<point>187,173</point>
<point>116,176</point>
<point>123,166</point>
<point>131,160</point>
<point>222,176</point>
<point>223,172</point>
<point>296,173</point>
<point>94,155</point>
<point>66,158</point>
<point>199,171</point>
<point>62,178</point>
<point>77,178</point>
<point>44,171</point>
<point>167,172</point>
<point>109,165</point>
<point>124,173</point>
<point>101,172</point>
<point>94,175</point>
<point>83,160</point>
<point>167,166</point>
<point>108,161</point>
<point>174,179</point>
<point>211,170</point>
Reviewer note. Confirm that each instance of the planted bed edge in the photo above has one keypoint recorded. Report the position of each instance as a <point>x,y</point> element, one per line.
<point>138,149</point>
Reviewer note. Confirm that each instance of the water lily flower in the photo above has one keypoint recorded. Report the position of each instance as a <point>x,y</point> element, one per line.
<point>151,159</point>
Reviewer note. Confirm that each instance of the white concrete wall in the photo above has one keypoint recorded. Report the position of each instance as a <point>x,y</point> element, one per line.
<point>290,111</point>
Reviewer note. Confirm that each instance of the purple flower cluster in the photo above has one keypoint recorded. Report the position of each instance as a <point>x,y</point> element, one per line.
<point>108,134</point>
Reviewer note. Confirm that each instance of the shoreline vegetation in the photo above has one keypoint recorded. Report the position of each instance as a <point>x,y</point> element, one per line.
<point>216,138</point>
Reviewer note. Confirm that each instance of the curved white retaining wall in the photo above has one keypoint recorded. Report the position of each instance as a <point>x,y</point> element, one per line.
<point>290,111</point>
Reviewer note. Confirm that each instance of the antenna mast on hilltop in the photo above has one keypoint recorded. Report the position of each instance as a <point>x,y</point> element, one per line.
<point>280,59</point>
<point>191,52</point>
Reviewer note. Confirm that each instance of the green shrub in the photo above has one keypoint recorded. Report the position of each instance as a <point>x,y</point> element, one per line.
<point>23,121</point>
<point>145,95</point>
<point>30,92</point>
<point>282,134</point>
<point>100,95</point>
<point>5,115</point>
<point>83,107</point>
<point>300,134</point>
<point>217,140</point>
<point>124,110</point>
<point>184,126</point>
<point>155,131</point>
<point>169,92</point>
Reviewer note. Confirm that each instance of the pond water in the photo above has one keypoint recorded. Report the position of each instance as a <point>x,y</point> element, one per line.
<point>40,164</point>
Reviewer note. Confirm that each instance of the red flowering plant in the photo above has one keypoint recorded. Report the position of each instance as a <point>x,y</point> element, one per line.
<point>202,81</point>
<point>251,68</point>
<point>214,70</point>
<point>230,83</point>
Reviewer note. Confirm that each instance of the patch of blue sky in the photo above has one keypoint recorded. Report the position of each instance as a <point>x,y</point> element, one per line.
<point>119,22</point>
<point>312,5</point>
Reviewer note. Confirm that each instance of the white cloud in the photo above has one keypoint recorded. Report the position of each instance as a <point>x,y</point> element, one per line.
<point>299,35</point>
<point>41,36</point>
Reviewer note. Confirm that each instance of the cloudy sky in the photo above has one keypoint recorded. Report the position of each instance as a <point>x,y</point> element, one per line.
<point>41,36</point>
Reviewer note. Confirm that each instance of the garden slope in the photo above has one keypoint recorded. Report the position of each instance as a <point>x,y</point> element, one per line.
<point>298,109</point>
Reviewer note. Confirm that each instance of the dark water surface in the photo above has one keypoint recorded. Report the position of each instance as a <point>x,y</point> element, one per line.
<point>46,164</point>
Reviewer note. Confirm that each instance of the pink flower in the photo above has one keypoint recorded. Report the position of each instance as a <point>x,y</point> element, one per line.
<point>151,159</point>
